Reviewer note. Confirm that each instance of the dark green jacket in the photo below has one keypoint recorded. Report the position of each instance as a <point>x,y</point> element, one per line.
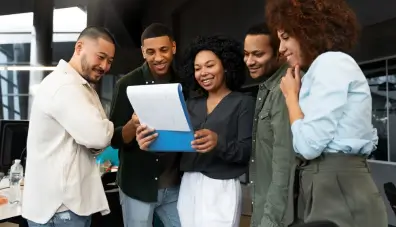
<point>272,156</point>
<point>139,171</point>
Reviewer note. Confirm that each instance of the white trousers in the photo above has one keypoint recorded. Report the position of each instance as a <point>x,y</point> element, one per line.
<point>207,202</point>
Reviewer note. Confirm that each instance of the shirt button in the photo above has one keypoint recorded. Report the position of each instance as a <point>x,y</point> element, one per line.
<point>254,140</point>
<point>255,119</point>
<point>156,178</point>
<point>251,182</point>
<point>259,99</point>
<point>156,160</point>
<point>252,203</point>
<point>252,160</point>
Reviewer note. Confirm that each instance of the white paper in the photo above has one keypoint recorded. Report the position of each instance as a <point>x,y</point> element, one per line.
<point>158,106</point>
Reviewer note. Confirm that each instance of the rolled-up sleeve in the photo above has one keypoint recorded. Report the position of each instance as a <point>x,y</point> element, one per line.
<point>72,108</point>
<point>330,78</point>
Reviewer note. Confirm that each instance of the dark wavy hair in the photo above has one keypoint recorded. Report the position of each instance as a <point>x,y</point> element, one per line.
<point>318,25</point>
<point>228,50</point>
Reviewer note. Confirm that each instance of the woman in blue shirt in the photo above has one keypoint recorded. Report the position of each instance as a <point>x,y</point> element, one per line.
<point>329,110</point>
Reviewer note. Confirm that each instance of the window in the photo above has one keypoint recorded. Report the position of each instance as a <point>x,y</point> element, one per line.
<point>381,76</point>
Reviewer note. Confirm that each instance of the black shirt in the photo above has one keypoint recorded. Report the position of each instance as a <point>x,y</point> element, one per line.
<point>232,120</point>
<point>141,173</point>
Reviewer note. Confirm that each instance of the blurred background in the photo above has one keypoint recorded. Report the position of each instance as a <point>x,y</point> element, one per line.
<point>36,34</point>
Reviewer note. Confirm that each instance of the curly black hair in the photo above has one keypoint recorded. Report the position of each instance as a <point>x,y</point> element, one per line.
<point>228,50</point>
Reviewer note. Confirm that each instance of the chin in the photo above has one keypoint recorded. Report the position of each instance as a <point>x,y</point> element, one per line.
<point>256,75</point>
<point>162,72</point>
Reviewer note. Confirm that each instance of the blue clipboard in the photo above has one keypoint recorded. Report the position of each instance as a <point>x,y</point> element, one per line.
<point>175,141</point>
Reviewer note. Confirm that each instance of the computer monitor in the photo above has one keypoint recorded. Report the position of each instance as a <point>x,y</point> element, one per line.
<point>13,137</point>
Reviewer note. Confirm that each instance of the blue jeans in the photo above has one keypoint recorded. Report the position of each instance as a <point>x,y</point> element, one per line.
<point>65,219</point>
<point>140,214</point>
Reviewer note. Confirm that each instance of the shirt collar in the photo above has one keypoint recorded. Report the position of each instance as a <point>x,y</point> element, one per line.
<point>66,68</point>
<point>274,79</point>
<point>149,78</point>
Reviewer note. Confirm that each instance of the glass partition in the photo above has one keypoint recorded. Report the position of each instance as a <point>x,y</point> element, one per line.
<point>381,75</point>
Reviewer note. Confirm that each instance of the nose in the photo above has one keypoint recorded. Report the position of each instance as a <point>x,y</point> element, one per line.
<point>203,72</point>
<point>104,65</point>
<point>158,57</point>
<point>250,61</point>
<point>282,48</point>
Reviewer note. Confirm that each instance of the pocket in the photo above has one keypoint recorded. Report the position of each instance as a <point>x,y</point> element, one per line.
<point>264,128</point>
<point>264,114</point>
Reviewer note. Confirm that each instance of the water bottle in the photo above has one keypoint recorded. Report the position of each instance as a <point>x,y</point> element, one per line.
<point>16,175</point>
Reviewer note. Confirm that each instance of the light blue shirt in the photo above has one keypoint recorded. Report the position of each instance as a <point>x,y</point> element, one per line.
<point>336,101</point>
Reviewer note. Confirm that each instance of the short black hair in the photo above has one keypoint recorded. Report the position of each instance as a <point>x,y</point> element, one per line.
<point>258,29</point>
<point>262,29</point>
<point>95,32</point>
<point>228,50</point>
<point>155,30</point>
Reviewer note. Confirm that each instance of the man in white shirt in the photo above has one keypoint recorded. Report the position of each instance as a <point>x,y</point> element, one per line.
<point>68,127</point>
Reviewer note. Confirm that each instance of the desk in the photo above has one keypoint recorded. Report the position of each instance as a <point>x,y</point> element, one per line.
<point>8,210</point>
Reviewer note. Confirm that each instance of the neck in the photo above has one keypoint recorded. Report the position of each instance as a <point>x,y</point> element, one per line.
<point>219,93</point>
<point>75,65</point>
<point>164,77</point>
<point>275,65</point>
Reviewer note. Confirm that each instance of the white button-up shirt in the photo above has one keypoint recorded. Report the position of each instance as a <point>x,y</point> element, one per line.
<point>67,123</point>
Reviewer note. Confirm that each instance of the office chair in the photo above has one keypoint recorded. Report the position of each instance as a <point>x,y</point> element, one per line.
<point>390,192</point>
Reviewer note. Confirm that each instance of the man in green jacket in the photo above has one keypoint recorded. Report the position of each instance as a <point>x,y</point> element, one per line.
<point>148,181</point>
<point>271,165</point>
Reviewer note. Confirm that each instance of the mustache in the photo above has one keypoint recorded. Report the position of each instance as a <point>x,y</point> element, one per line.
<point>99,70</point>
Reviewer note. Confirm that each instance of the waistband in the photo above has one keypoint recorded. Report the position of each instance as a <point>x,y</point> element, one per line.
<point>333,162</point>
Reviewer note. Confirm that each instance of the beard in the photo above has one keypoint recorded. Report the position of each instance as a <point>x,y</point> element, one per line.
<point>86,69</point>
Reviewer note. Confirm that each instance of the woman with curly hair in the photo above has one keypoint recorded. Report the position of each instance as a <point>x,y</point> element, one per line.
<point>210,191</point>
<point>329,111</point>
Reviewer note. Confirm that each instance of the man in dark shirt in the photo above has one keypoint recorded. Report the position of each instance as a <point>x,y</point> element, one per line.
<point>149,182</point>
<point>272,155</point>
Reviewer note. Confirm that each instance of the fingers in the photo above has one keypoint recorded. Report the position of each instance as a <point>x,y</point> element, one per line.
<point>297,75</point>
<point>143,131</point>
<point>146,141</point>
<point>145,136</point>
<point>135,119</point>
<point>140,128</point>
<point>201,133</point>
<point>203,148</point>
<point>289,73</point>
<point>200,140</point>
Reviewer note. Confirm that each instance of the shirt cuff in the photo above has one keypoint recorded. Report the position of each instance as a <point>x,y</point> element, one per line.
<point>296,126</point>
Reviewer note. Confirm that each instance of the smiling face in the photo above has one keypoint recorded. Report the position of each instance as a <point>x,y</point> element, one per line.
<point>209,71</point>
<point>96,57</point>
<point>290,49</point>
<point>158,53</point>
<point>258,54</point>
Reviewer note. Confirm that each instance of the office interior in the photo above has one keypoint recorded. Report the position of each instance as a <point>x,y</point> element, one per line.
<point>36,34</point>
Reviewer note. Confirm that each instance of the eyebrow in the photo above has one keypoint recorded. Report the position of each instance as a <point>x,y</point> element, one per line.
<point>105,54</point>
<point>205,62</point>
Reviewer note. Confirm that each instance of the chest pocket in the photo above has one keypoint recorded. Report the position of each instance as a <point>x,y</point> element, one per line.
<point>264,128</point>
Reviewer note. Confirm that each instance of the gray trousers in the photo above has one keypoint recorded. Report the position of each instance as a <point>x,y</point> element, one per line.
<point>339,188</point>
